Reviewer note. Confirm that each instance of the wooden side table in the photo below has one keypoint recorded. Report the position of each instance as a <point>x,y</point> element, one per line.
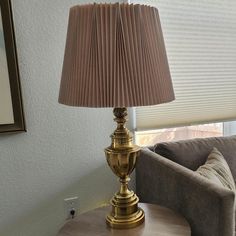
<point>159,221</point>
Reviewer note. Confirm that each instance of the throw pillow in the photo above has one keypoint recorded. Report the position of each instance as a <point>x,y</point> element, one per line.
<point>217,170</point>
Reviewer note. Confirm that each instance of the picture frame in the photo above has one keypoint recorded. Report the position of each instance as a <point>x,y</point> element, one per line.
<point>11,106</point>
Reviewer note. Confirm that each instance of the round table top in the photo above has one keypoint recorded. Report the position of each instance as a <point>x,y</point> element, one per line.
<point>159,221</point>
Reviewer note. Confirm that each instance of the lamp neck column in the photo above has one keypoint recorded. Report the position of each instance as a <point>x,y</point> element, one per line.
<point>121,138</point>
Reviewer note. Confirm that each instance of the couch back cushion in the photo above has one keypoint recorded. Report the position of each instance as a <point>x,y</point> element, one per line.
<point>194,152</point>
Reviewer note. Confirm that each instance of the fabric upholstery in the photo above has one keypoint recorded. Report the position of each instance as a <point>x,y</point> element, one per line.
<point>217,170</point>
<point>208,207</point>
<point>193,153</point>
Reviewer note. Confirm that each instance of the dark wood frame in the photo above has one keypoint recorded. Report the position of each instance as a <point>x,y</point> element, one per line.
<point>13,70</point>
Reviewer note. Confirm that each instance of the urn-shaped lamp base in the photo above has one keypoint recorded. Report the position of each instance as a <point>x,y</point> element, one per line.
<point>121,157</point>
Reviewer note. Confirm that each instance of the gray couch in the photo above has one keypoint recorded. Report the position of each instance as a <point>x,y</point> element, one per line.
<point>165,175</point>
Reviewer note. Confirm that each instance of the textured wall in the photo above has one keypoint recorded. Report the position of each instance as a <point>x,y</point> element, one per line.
<point>61,155</point>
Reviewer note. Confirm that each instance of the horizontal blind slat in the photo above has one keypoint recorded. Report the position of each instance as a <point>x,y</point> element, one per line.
<point>200,39</point>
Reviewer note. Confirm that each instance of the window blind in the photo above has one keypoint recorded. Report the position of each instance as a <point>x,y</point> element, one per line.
<point>200,39</point>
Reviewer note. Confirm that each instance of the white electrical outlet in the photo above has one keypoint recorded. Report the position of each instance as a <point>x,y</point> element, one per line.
<point>71,204</point>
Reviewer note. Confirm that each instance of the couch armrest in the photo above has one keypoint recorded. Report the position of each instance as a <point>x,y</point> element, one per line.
<point>208,208</point>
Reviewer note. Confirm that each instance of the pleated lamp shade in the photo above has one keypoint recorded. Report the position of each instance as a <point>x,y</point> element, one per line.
<point>115,57</point>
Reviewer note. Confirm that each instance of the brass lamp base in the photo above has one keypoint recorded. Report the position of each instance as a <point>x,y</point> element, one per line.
<point>125,212</point>
<point>121,157</point>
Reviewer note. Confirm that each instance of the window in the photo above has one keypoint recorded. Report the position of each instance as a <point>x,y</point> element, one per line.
<point>151,137</point>
<point>200,38</point>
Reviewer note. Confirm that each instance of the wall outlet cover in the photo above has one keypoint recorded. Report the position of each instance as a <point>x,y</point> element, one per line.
<point>71,204</point>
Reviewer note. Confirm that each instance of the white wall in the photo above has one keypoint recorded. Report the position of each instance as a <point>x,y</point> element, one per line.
<point>61,155</point>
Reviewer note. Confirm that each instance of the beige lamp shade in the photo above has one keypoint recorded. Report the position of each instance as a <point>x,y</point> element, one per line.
<point>115,57</point>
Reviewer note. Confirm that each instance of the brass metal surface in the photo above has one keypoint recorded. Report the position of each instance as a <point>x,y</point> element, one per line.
<point>121,156</point>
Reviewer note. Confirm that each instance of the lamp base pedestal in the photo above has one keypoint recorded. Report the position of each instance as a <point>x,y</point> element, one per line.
<point>122,157</point>
<point>125,212</point>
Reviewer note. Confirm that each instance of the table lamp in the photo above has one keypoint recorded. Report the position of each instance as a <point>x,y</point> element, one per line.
<point>115,57</point>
